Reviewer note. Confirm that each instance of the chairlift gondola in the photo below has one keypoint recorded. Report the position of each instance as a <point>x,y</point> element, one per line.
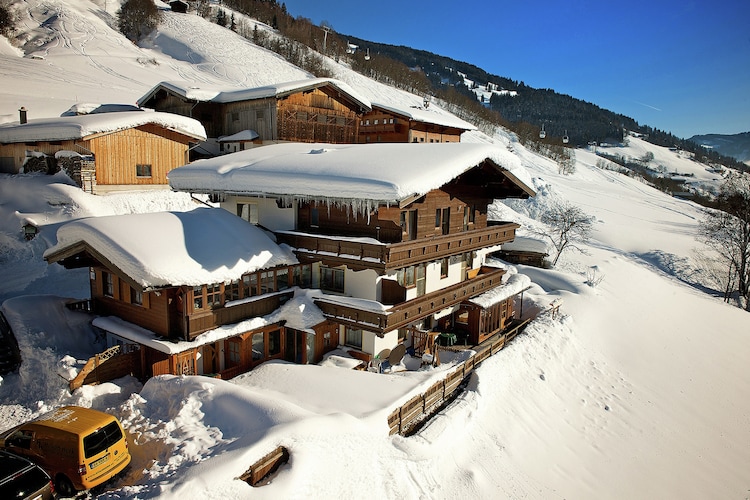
<point>542,133</point>
<point>367,54</point>
<point>566,139</point>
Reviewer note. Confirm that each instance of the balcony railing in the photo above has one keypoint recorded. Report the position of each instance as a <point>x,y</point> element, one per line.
<point>381,256</point>
<point>412,310</point>
<point>412,252</point>
<point>213,318</point>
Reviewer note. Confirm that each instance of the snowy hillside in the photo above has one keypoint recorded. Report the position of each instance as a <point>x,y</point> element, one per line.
<point>640,388</point>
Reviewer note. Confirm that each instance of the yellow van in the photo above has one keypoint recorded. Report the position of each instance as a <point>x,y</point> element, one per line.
<point>78,447</point>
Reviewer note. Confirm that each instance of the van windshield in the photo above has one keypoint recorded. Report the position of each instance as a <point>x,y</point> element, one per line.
<point>102,439</point>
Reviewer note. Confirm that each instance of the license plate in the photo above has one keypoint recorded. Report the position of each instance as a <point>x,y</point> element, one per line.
<point>100,461</point>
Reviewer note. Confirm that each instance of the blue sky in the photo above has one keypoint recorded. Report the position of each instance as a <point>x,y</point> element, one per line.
<point>683,66</point>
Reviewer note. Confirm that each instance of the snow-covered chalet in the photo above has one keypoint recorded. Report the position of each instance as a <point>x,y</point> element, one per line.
<point>311,110</point>
<point>104,151</point>
<point>394,235</point>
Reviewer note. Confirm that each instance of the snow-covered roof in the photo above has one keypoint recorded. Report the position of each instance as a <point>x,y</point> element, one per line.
<point>194,92</point>
<point>383,172</point>
<point>515,284</point>
<point>420,114</point>
<point>81,126</point>
<point>526,244</point>
<point>205,245</point>
<point>90,108</point>
<point>242,135</point>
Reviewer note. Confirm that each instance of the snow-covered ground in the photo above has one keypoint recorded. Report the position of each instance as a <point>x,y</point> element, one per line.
<point>639,389</point>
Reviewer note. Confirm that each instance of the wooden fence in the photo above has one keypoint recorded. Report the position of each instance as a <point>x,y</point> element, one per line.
<point>115,362</point>
<point>421,407</point>
<point>265,466</point>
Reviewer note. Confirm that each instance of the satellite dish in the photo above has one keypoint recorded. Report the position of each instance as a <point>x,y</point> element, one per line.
<point>397,354</point>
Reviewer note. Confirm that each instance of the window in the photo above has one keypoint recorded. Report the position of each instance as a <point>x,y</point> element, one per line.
<point>446,221</point>
<point>250,285</point>
<point>232,291</point>
<point>109,284</point>
<point>213,295</point>
<point>142,170</point>
<point>136,297</point>
<point>233,352</point>
<point>282,279</point>
<point>444,267</point>
<point>376,122</point>
<point>314,217</point>
<point>259,346</point>
<point>267,282</point>
<point>408,221</point>
<point>198,297</point>
<point>303,276</point>
<point>235,117</point>
<point>438,218</point>
<point>353,337</point>
<point>410,276</point>
<point>259,115</point>
<point>332,279</point>
<point>302,116</point>
<point>248,212</point>
<point>274,342</point>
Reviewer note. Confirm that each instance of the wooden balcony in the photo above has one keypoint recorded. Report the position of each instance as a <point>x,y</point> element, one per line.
<point>385,257</point>
<point>412,310</point>
<point>412,252</point>
<point>208,320</point>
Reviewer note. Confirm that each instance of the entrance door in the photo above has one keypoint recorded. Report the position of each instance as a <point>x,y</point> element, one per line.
<point>210,359</point>
<point>412,224</point>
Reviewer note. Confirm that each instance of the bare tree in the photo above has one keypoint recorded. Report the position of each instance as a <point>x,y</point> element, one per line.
<point>568,226</point>
<point>137,18</point>
<point>727,232</point>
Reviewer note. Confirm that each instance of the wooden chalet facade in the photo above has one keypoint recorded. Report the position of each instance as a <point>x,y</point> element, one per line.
<point>418,125</point>
<point>224,327</point>
<point>103,152</point>
<point>389,268</point>
<point>314,110</point>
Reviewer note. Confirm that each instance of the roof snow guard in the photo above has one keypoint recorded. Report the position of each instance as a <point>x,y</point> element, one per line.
<point>387,173</point>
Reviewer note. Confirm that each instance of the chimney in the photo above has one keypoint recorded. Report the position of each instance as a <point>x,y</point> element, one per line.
<point>22,115</point>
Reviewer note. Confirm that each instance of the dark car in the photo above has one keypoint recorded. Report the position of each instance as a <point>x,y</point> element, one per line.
<point>10,354</point>
<point>22,479</point>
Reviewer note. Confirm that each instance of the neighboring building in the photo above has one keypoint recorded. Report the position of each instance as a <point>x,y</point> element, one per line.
<point>395,234</point>
<point>180,6</point>
<point>199,292</point>
<point>313,110</point>
<point>527,251</point>
<point>387,123</point>
<point>108,151</point>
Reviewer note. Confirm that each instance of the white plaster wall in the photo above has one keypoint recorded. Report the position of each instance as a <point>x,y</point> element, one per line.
<point>361,284</point>
<point>269,214</point>
<point>372,344</point>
